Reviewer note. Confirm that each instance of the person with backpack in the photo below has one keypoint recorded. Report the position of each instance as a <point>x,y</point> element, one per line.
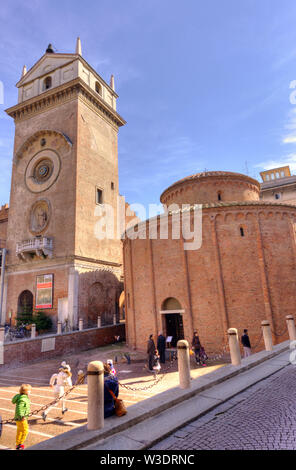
<point>111,391</point>
<point>22,410</point>
<point>58,382</point>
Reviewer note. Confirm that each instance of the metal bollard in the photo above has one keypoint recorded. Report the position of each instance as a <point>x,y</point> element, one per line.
<point>33,330</point>
<point>80,324</point>
<point>234,347</point>
<point>114,319</point>
<point>291,327</point>
<point>95,403</point>
<point>184,363</point>
<point>267,335</point>
<point>2,334</point>
<point>99,322</point>
<point>59,331</point>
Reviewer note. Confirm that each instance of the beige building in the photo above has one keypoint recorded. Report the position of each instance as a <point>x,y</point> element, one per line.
<point>278,185</point>
<point>65,166</point>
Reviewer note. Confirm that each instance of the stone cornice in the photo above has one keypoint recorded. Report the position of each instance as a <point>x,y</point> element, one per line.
<point>23,81</point>
<point>59,262</point>
<point>67,92</point>
<point>211,176</point>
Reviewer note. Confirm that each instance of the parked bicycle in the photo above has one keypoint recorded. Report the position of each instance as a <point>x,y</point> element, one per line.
<point>13,334</point>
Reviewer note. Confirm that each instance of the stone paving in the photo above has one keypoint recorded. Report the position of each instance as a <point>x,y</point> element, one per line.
<point>134,375</point>
<point>261,418</point>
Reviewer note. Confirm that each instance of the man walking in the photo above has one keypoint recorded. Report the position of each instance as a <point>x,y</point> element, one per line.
<point>151,352</point>
<point>246,344</point>
<point>161,347</point>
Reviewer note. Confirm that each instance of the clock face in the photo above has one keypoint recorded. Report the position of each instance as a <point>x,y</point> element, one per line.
<point>42,171</point>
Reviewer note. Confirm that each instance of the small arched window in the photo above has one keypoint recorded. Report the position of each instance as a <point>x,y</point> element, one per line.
<point>219,196</point>
<point>98,88</point>
<point>47,83</point>
<point>242,231</point>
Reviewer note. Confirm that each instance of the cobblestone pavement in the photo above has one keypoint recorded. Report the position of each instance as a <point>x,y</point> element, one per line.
<point>261,418</point>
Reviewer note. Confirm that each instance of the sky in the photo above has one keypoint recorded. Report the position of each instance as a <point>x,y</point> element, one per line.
<point>201,84</point>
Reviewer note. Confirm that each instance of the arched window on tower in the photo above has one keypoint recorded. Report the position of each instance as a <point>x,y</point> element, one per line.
<point>47,83</point>
<point>219,196</point>
<point>98,88</point>
<point>242,231</point>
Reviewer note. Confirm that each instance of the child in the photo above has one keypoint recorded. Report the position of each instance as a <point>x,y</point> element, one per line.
<point>156,365</point>
<point>112,369</point>
<point>22,410</point>
<point>58,382</point>
<point>203,356</point>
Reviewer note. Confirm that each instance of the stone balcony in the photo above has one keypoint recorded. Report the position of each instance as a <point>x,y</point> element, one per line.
<point>40,247</point>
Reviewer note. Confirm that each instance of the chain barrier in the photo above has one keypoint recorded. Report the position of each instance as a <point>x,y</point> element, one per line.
<point>219,355</point>
<point>79,381</point>
<point>253,348</point>
<point>280,334</point>
<point>157,379</point>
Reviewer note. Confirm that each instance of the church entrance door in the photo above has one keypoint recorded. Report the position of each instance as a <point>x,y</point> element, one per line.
<point>174,327</point>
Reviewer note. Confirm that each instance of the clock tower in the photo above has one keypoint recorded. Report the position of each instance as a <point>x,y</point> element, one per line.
<point>65,166</point>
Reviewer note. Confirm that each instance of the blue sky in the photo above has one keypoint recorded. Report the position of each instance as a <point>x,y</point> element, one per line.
<point>201,84</point>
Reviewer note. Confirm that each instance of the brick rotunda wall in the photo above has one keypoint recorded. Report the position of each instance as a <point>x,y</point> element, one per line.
<point>231,281</point>
<point>212,187</point>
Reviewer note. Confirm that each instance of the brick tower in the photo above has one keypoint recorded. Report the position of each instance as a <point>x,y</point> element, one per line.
<point>65,165</point>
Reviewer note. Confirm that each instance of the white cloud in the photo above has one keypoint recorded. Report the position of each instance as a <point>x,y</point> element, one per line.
<point>289,159</point>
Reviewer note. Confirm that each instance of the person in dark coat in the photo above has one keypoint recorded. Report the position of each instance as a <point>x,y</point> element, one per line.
<point>161,347</point>
<point>110,383</point>
<point>246,343</point>
<point>196,346</point>
<point>151,352</point>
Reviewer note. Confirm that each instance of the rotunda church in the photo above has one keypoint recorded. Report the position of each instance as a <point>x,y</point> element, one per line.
<point>242,272</point>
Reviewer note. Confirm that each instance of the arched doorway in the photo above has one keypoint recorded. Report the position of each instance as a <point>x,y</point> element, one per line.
<point>25,306</point>
<point>173,320</point>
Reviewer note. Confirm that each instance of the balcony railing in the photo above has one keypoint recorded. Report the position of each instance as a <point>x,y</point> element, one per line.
<point>40,246</point>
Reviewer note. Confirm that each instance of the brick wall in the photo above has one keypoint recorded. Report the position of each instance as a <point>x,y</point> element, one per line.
<point>26,351</point>
<point>232,281</point>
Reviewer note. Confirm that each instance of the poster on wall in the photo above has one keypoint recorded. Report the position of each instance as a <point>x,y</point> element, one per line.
<point>44,291</point>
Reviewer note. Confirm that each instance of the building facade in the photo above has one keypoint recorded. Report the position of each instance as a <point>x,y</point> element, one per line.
<point>65,167</point>
<point>243,273</point>
<point>278,185</point>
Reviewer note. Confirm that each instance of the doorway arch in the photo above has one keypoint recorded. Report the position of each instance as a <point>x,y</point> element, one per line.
<point>25,304</point>
<point>173,319</point>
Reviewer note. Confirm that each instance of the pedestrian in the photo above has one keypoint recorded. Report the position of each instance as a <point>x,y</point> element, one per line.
<point>111,387</point>
<point>58,382</point>
<point>246,344</point>
<point>156,363</point>
<point>22,410</point>
<point>203,354</point>
<point>151,352</point>
<point>196,346</point>
<point>161,347</point>
<point>112,369</point>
